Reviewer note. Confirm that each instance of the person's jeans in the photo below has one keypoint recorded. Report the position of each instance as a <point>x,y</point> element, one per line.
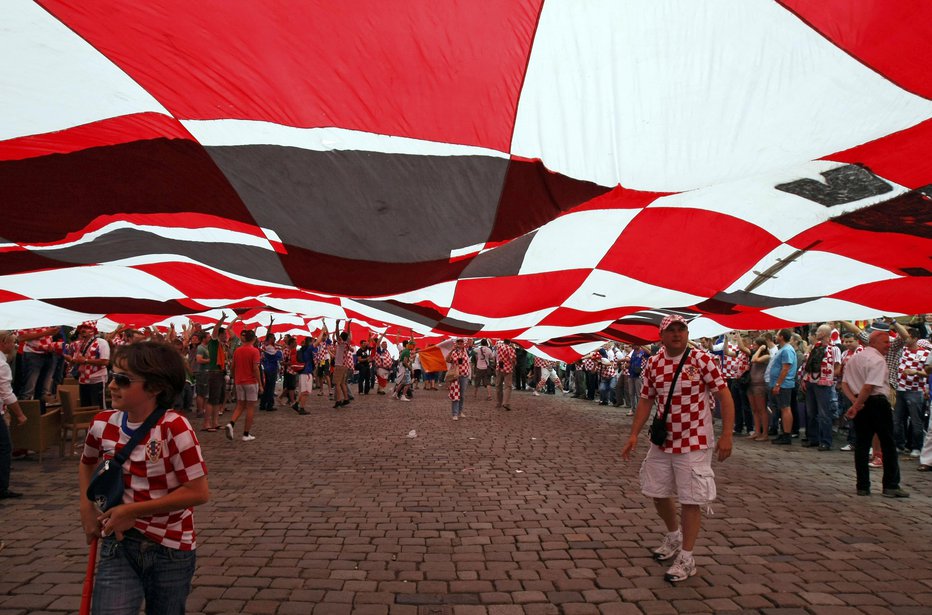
<point>137,568</point>
<point>908,404</point>
<point>819,414</point>
<point>875,418</point>
<point>38,369</point>
<point>267,400</point>
<point>458,403</point>
<point>503,388</point>
<point>744,418</point>
<point>365,378</point>
<point>606,387</point>
<point>634,390</point>
<point>6,454</point>
<point>592,384</point>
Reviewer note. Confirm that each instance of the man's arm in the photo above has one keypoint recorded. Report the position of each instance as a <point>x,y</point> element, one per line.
<point>856,402</point>
<point>724,444</point>
<point>641,415</point>
<point>779,383</point>
<point>215,334</point>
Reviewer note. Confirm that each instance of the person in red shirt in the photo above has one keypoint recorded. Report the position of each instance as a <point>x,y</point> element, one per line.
<point>248,384</point>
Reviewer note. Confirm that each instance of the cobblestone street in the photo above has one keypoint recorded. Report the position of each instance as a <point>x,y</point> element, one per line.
<point>529,511</point>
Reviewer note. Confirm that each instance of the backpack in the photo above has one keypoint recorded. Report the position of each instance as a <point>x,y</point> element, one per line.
<point>814,361</point>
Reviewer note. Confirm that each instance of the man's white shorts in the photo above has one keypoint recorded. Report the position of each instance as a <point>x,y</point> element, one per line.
<point>247,392</point>
<point>305,383</point>
<point>686,476</point>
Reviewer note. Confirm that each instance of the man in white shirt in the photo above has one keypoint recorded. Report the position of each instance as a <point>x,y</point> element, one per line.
<point>866,385</point>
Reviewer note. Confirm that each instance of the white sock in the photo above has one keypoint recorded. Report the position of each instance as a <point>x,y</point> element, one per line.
<point>687,555</point>
<point>675,534</point>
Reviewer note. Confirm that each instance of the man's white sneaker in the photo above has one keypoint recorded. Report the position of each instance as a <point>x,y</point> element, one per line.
<point>671,545</point>
<point>914,453</point>
<point>536,394</point>
<point>229,431</point>
<point>456,418</point>
<point>249,438</point>
<point>403,398</point>
<point>682,569</point>
<point>847,447</point>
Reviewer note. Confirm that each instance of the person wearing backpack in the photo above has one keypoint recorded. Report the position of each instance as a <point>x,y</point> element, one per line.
<point>821,367</point>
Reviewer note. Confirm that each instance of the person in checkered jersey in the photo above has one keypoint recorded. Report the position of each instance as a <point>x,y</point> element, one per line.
<point>148,542</point>
<point>681,469</point>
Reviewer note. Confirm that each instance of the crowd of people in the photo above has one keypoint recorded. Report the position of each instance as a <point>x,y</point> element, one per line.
<point>817,383</point>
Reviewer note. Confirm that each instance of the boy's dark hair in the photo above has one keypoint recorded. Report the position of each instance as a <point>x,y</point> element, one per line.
<point>344,335</point>
<point>248,335</point>
<point>786,334</point>
<point>158,364</point>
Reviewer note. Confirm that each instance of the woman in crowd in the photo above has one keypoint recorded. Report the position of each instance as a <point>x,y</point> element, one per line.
<point>757,390</point>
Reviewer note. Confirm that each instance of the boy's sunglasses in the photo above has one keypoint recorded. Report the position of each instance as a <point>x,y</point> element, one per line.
<point>122,380</point>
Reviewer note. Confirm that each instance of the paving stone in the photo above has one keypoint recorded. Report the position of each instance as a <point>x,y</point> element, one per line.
<point>359,518</point>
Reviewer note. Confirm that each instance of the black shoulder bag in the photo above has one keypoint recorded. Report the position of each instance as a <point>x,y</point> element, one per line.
<point>658,427</point>
<point>106,488</point>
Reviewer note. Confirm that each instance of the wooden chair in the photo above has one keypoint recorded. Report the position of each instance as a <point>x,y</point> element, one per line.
<point>40,431</point>
<point>74,419</point>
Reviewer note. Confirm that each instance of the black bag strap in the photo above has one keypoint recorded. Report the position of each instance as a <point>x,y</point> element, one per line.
<point>147,425</point>
<point>668,402</point>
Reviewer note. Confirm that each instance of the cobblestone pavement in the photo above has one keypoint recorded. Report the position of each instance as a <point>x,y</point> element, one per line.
<point>529,511</point>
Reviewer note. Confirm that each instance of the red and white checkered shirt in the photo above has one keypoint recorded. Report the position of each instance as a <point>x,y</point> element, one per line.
<point>689,423</point>
<point>912,360</point>
<point>733,367</point>
<point>97,349</point>
<point>460,358</point>
<point>542,363</point>
<point>607,370</point>
<point>505,357</point>
<point>589,364</point>
<point>168,457</point>
<point>845,357</point>
<point>827,369</point>
<point>347,355</point>
<point>40,345</point>
<point>383,359</point>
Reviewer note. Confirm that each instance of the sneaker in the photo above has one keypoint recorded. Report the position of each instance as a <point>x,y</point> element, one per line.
<point>629,413</point>
<point>565,392</point>
<point>462,414</point>
<point>876,462</point>
<point>229,432</point>
<point>536,394</point>
<point>506,407</point>
<point>825,447</point>
<point>847,448</point>
<point>296,407</point>
<point>681,569</point>
<point>914,453</point>
<point>303,412</point>
<point>864,492</point>
<point>671,545</point>
<point>249,438</point>
<point>456,418</point>
<point>403,398</point>
<point>895,493</point>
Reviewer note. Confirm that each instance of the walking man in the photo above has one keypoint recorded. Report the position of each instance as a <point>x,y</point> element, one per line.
<point>248,384</point>
<point>681,468</point>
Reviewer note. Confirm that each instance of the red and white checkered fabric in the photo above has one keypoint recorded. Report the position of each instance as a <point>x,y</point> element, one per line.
<point>347,354</point>
<point>168,457</point>
<point>505,357</point>
<point>40,345</point>
<point>383,359</point>
<point>97,349</point>
<point>541,362</point>
<point>845,357</point>
<point>589,364</point>
<point>460,358</point>
<point>733,367</point>
<point>689,423</point>
<point>827,369</point>
<point>912,359</point>
<point>607,370</point>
